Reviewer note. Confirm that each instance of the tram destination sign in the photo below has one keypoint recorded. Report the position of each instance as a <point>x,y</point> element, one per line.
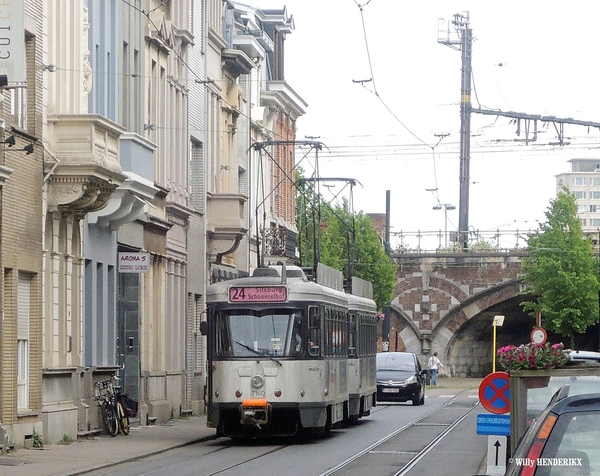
<point>258,294</point>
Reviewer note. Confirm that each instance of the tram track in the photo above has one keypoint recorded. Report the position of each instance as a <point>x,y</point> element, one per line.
<point>249,460</point>
<point>402,450</point>
<point>395,438</point>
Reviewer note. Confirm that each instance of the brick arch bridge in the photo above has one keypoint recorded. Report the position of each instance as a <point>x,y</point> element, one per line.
<point>445,303</point>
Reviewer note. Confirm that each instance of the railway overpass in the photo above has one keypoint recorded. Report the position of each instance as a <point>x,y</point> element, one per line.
<point>445,302</point>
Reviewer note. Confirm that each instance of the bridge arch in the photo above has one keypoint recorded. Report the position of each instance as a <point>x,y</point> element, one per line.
<point>446,302</point>
<point>437,296</point>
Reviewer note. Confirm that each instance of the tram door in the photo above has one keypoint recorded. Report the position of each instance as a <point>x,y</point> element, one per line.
<point>128,347</point>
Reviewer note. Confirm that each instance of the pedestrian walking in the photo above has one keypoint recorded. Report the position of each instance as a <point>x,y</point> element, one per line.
<point>434,365</point>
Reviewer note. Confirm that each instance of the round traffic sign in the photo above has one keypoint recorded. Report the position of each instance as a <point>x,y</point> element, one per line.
<point>539,335</point>
<point>494,392</point>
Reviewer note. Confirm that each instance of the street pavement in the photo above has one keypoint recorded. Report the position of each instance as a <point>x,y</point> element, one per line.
<point>85,455</point>
<point>93,453</point>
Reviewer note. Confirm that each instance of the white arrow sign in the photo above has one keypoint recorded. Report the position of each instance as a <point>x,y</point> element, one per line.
<point>496,455</point>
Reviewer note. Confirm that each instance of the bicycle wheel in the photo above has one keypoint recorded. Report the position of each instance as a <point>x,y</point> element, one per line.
<point>123,419</point>
<point>109,417</point>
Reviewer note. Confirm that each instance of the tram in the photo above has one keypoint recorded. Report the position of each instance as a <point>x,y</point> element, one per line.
<point>287,355</point>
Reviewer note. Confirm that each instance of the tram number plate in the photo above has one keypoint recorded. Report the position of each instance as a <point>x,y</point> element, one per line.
<point>258,294</point>
<point>390,390</point>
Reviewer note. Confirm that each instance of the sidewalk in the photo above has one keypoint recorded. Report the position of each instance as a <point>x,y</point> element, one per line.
<point>86,455</point>
<point>83,456</point>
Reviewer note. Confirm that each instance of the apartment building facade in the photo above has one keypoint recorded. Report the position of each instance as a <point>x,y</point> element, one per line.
<point>584,181</point>
<point>134,125</point>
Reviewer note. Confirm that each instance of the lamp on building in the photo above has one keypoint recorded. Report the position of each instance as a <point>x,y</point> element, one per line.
<point>10,141</point>
<point>445,207</point>
<point>28,148</point>
<point>151,127</point>
<point>51,68</point>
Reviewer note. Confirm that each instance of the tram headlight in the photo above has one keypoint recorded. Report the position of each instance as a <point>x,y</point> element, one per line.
<point>238,393</point>
<point>277,393</point>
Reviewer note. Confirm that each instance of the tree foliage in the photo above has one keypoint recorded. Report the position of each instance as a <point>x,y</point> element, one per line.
<point>561,271</point>
<point>344,240</point>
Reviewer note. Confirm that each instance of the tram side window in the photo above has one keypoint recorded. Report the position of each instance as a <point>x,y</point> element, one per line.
<point>314,335</point>
<point>352,335</point>
<point>336,341</point>
<point>367,335</point>
<point>340,342</point>
<point>328,333</point>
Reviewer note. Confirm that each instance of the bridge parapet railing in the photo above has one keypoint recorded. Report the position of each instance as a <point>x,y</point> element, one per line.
<point>441,242</point>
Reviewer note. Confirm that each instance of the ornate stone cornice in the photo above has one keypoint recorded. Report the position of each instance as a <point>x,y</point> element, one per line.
<point>86,169</point>
<point>80,189</point>
<point>236,62</point>
<point>226,226</point>
<point>4,174</point>
<point>280,96</point>
<point>126,203</point>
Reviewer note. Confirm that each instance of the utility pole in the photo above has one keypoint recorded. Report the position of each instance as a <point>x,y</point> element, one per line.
<point>462,41</point>
<point>386,325</point>
<point>460,38</point>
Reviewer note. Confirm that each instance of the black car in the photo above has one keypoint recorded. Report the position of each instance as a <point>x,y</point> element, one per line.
<point>400,378</point>
<point>563,440</point>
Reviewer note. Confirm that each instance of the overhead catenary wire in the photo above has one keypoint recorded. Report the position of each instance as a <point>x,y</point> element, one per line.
<point>389,109</point>
<point>373,82</point>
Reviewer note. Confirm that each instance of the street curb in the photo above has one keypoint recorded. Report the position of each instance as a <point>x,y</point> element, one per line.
<point>145,455</point>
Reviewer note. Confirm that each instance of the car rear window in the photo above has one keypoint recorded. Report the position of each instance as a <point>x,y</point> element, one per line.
<point>572,447</point>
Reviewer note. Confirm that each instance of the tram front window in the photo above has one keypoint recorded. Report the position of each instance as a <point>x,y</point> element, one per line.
<point>247,334</point>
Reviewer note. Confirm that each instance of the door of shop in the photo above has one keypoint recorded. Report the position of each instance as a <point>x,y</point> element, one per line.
<point>128,347</point>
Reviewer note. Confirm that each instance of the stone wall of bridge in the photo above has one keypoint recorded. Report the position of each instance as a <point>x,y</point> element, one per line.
<point>444,302</point>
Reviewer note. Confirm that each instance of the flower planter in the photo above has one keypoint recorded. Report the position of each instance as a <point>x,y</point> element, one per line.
<point>541,381</point>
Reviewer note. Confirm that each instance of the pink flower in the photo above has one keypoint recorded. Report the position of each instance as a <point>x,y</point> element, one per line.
<point>532,356</point>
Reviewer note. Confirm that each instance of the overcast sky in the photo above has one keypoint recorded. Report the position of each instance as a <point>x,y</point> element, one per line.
<point>530,56</point>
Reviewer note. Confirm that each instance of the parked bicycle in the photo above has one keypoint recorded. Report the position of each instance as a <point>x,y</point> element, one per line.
<point>115,407</point>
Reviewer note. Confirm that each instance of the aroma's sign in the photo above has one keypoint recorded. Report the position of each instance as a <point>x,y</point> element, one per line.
<point>134,262</point>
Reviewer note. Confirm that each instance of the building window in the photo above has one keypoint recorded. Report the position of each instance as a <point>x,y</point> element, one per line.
<point>594,221</point>
<point>594,208</point>
<point>196,175</point>
<point>581,208</point>
<point>595,180</point>
<point>579,181</point>
<point>579,195</point>
<point>595,195</point>
<point>23,302</point>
